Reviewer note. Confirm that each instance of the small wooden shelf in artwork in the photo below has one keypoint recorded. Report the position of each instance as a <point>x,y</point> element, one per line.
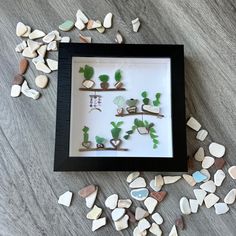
<point>101,90</point>
<point>102,149</point>
<point>140,113</point>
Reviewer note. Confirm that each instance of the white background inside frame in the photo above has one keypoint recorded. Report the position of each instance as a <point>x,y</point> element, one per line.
<point>138,75</point>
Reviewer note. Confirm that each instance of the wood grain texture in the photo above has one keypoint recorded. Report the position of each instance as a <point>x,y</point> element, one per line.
<point>29,189</point>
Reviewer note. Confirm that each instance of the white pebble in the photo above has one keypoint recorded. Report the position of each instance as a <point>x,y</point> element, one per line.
<point>82,16</point>
<point>49,37</point>
<point>221,208</point>
<point>79,24</point>
<point>38,59</point>
<point>138,183</point>
<point>20,29</point>
<point>184,206</point>
<point>207,162</point>
<point>52,64</point>
<point>27,53</point>
<point>132,176</point>
<point>137,232</point>
<point>219,177</point>
<point>230,197</point>
<point>65,39</point>
<point>33,45</point>
<point>111,201</point>
<point>98,223</point>
<point>122,223</point>
<point>201,135</point>
<point>206,173</point>
<point>42,67</point>
<point>107,23</point>
<point>193,124</point>
<point>157,218</point>
<point>150,204</point>
<point>209,186</point>
<point>193,205</point>
<point>21,46</point>
<point>153,186</point>
<point>65,198</point>
<point>31,93</point>
<point>90,199</point>
<point>36,34</point>
<point>217,150</point>
<point>41,81</point>
<point>143,225</point>
<point>171,179</point>
<point>199,155</point>
<point>136,24</point>
<point>117,214</point>
<point>15,90</point>
<point>52,46</point>
<point>210,200</point>
<point>200,195</point>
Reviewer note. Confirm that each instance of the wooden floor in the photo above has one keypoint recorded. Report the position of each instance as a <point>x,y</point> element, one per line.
<point>29,189</point>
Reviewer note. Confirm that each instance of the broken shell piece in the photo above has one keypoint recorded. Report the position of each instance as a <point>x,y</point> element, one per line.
<point>140,213</point>
<point>209,186</point>
<point>21,46</point>
<point>20,29</point>
<point>36,34</point>
<point>42,67</point>
<point>65,198</point>
<point>27,33</point>
<point>52,46</point>
<point>189,179</point>
<point>42,50</point>
<point>95,213</point>
<point>33,45</point>
<point>136,24</point>
<point>119,38</point>
<point>65,39</point>
<point>79,24</point>
<point>201,135</point>
<point>31,93</point>
<point>93,24</point>
<point>193,205</point>
<point>122,223</point>
<point>82,16</point>
<point>193,124</point>
<point>219,177</point>
<point>84,39</point>
<point>41,81</point>
<point>221,208</point>
<point>107,23</point>
<point>15,90</point>
<point>98,223</point>
<point>49,37</point>
<point>27,53</point>
<point>52,64</point>
<point>101,29</point>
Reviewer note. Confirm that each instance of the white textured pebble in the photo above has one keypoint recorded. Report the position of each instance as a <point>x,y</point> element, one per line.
<point>52,46</point>
<point>210,200</point>
<point>155,229</point>
<point>36,34</point>
<point>219,177</point>
<point>143,224</point>
<point>207,162</point>
<point>199,155</point>
<point>98,223</point>
<point>95,213</point>
<point>202,134</point>
<point>28,92</point>
<point>107,23</point>
<point>15,90</point>
<point>28,53</point>
<point>153,186</point>
<point>27,33</point>
<point>150,204</point>
<point>217,150</point>
<point>232,172</point>
<point>132,176</point>
<point>230,196</point>
<point>184,206</point>
<point>193,205</point>
<point>221,208</point>
<point>41,81</point>
<point>90,199</point>
<point>20,29</point>
<point>157,218</point>
<point>138,183</point>
<point>82,16</point>
<point>206,173</point>
<point>193,124</point>
<point>200,195</point>
<point>49,37</point>
<point>21,46</point>
<point>111,201</point>
<point>65,198</point>
<point>42,50</point>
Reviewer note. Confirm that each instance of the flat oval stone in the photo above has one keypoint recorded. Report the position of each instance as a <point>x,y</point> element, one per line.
<point>219,163</point>
<point>184,206</point>
<point>23,66</point>
<point>139,194</point>
<point>107,23</point>
<point>18,79</point>
<point>207,162</point>
<point>41,81</point>
<point>86,191</point>
<point>132,176</point>
<point>219,177</point>
<point>138,183</point>
<point>209,186</point>
<point>198,176</point>
<point>117,213</point>
<point>232,172</point>
<point>159,196</point>
<point>157,218</point>
<point>221,208</point>
<point>199,155</point>
<point>153,185</point>
<point>111,201</point>
<point>210,200</point>
<point>67,25</point>
<point>150,204</point>
<point>217,150</point>
<point>230,197</point>
<point>15,90</point>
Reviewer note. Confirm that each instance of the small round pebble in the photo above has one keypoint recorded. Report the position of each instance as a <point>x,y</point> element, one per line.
<point>41,81</point>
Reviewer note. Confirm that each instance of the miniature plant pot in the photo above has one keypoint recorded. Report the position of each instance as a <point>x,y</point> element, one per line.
<point>131,109</point>
<point>120,111</point>
<point>87,83</point>
<point>115,143</point>
<point>142,130</point>
<point>86,144</point>
<point>104,85</point>
<point>118,85</point>
<point>151,109</point>
<point>132,102</point>
<point>100,145</point>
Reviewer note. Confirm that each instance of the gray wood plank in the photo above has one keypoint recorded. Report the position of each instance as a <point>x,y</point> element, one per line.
<point>29,189</point>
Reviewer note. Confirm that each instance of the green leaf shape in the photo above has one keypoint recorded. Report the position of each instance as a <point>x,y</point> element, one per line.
<point>146,101</point>
<point>104,78</point>
<point>155,141</point>
<point>118,75</point>
<point>119,123</point>
<point>130,132</point>
<point>152,130</point>
<point>113,124</point>
<point>156,102</point>
<point>85,129</point>
<point>115,132</point>
<point>100,140</point>
<point>81,70</point>
<point>88,71</point>
<point>154,146</point>
<point>126,137</point>
<point>153,136</point>
<point>144,94</point>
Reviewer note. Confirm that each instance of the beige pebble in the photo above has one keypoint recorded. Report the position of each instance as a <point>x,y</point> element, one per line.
<point>36,34</point>
<point>52,64</point>
<point>95,213</point>
<point>42,50</point>
<point>232,172</point>
<point>84,39</point>
<point>143,224</point>
<point>210,200</point>
<point>119,38</point>
<point>20,29</point>
<point>132,176</point>
<point>33,45</point>
<point>27,33</point>
<point>27,53</point>
<point>41,81</point>
<point>124,203</point>
<point>193,124</point>
<point>199,155</point>
<point>140,213</point>
<point>189,179</point>
<point>202,134</point>
<point>150,204</point>
<point>122,223</point>
<point>155,229</point>
<point>171,179</point>
<point>42,67</point>
<point>21,46</point>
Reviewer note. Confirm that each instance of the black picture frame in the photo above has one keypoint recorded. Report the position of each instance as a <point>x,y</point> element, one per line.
<point>63,162</point>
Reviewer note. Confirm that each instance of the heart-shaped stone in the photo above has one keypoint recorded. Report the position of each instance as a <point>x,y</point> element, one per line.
<point>115,142</point>
<point>86,144</point>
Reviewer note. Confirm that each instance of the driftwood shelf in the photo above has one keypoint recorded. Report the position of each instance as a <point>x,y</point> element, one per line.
<point>140,113</point>
<point>101,90</point>
<point>102,149</point>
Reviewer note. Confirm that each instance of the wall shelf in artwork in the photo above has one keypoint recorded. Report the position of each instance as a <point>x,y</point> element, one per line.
<point>141,113</point>
<point>102,149</point>
<point>101,90</point>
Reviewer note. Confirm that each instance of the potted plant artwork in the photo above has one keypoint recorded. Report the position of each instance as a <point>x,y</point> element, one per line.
<point>115,132</point>
<point>119,101</point>
<point>100,142</point>
<point>118,77</point>
<point>143,128</point>
<point>151,108</point>
<point>86,143</point>
<point>104,81</point>
<point>88,73</point>
<point>131,103</point>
